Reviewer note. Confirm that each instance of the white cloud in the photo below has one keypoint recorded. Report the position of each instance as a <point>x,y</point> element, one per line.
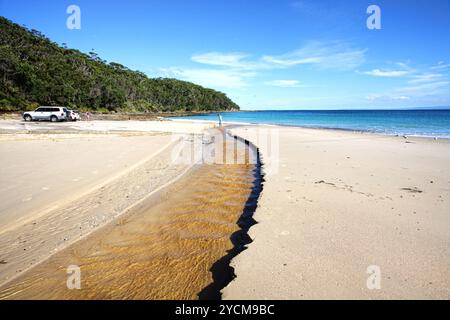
<point>402,70</point>
<point>209,77</point>
<point>426,77</point>
<point>441,66</point>
<point>233,70</point>
<point>221,59</point>
<point>386,73</point>
<point>289,60</point>
<point>419,83</point>
<point>401,98</point>
<point>324,55</point>
<point>413,91</point>
<point>285,83</point>
<point>373,97</point>
<point>425,89</point>
<point>386,97</point>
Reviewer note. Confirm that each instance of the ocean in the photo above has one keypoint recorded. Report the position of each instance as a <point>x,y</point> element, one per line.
<point>426,123</point>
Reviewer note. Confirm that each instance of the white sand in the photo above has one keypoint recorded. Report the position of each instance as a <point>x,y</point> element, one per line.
<point>163,125</point>
<point>38,174</point>
<point>334,205</point>
<point>57,188</point>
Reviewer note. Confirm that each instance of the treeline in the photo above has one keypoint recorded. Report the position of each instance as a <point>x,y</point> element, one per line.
<point>36,71</point>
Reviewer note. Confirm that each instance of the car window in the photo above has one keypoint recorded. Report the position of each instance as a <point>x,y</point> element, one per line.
<point>39,110</point>
<point>65,110</point>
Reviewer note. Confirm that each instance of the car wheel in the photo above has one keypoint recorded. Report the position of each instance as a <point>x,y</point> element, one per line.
<point>53,118</point>
<point>27,117</point>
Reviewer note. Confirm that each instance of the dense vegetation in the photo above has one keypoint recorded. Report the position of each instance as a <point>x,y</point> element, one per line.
<point>35,71</point>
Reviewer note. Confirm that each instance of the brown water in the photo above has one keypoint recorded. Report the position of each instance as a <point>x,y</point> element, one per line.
<point>177,245</point>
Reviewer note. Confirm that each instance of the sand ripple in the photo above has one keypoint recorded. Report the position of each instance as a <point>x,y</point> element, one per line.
<point>162,250</point>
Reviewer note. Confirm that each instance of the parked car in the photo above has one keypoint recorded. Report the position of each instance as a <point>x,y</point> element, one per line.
<point>46,113</point>
<point>73,115</point>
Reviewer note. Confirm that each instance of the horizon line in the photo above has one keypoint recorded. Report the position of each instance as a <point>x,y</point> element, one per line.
<point>353,109</point>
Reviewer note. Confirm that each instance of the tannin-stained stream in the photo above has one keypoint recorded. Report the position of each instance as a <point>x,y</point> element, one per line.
<point>175,245</point>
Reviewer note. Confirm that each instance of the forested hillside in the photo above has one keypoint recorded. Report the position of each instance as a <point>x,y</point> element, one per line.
<point>35,71</point>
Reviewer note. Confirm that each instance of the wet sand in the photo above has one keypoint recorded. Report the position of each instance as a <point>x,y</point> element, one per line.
<point>61,181</point>
<point>174,245</point>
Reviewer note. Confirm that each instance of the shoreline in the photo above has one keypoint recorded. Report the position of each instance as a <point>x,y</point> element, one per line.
<point>334,203</point>
<point>234,123</point>
<point>175,119</point>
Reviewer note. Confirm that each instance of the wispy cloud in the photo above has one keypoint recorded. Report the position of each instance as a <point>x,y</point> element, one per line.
<point>234,69</point>
<point>234,60</point>
<point>425,89</point>
<point>386,73</point>
<point>419,83</point>
<point>209,77</point>
<point>324,55</point>
<point>441,66</point>
<point>401,98</point>
<point>426,77</point>
<point>402,69</point>
<point>285,83</point>
<point>427,82</point>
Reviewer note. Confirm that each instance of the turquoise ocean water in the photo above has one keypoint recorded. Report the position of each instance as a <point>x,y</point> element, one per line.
<point>428,123</point>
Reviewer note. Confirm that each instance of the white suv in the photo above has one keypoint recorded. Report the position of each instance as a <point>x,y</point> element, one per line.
<point>73,115</point>
<point>46,113</point>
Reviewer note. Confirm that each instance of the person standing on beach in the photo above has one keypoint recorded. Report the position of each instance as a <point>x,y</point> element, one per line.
<point>220,119</point>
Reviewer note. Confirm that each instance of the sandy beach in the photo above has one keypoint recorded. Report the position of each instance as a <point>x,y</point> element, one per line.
<point>174,245</point>
<point>333,204</point>
<point>231,158</point>
<point>60,183</point>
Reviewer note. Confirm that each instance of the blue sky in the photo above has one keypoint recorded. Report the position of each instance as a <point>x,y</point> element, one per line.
<point>305,54</point>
